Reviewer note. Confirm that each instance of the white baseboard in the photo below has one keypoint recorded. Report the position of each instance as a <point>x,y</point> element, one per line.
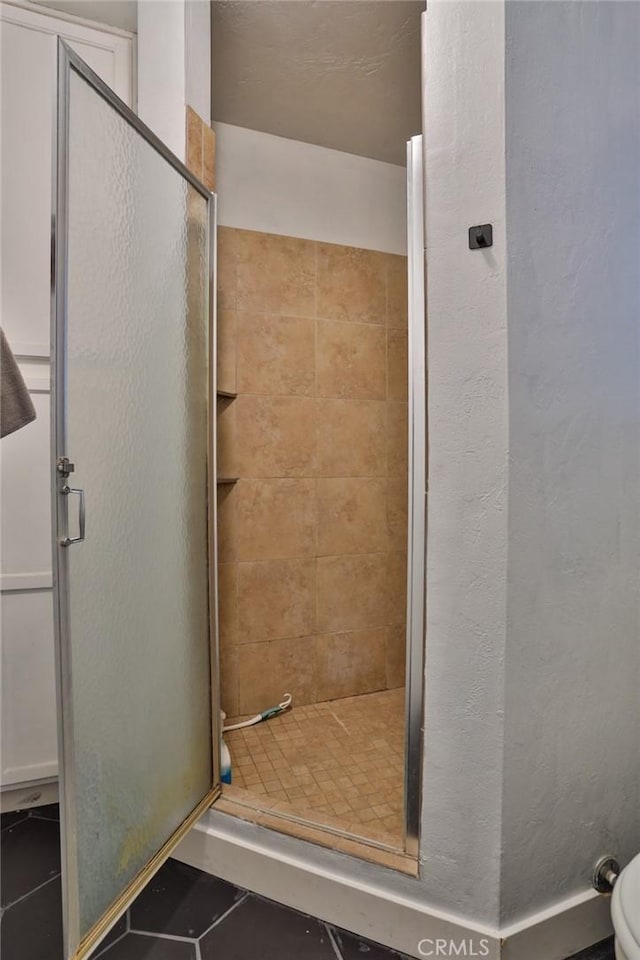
<point>246,855</point>
<point>564,929</point>
<point>326,884</point>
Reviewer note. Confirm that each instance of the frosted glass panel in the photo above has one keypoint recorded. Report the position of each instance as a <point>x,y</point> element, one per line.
<point>140,706</point>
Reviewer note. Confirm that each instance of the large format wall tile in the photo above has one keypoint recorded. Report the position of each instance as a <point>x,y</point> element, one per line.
<point>276,599</point>
<point>312,539</point>
<point>208,157</point>
<point>352,516</point>
<point>352,438</point>
<point>276,274</point>
<point>397,513</point>
<point>227,497</point>
<point>397,439</point>
<point>276,355</point>
<point>395,656</point>
<point>227,604</point>
<point>348,664</point>
<point>227,268</point>
<point>276,436</point>
<point>229,682</point>
<point>396,291</point>
<point>276,519</point>
<point>352,592</point>
<point>226,438</point>
<point>266,671</point>
<point>351,360</point>
<point>226,352</point>
<point>194,143</point>
<point>397,368</point>
<point>396,579</point>
<point>351,284</point>
<point>200,149</point>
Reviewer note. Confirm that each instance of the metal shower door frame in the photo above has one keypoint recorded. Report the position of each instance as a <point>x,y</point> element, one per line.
<point>417,496</point>
<point>76,948</point>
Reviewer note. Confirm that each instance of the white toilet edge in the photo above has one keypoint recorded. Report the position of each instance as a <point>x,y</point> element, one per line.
<point>627,946</point>
<point>620,954</point>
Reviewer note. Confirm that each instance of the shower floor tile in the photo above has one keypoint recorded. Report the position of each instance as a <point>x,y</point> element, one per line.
<point>338,764</point>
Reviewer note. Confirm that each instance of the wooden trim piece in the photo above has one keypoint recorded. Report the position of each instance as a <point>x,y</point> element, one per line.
<point>106,922</point>
<point>26,581</point>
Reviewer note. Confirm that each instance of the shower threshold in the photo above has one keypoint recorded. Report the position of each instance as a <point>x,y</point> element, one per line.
<point>330,773</point>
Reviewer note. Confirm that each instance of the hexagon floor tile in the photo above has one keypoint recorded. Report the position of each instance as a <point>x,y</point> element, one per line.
<point>30,857</point>
<point>181,901</point>
<point>183,914</point>
<point>267,930</point>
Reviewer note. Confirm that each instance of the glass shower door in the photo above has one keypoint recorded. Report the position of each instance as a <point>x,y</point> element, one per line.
<point>134,553</point>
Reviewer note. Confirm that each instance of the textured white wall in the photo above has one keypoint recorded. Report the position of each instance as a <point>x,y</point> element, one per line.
<point>161,70</point>
<point>198,56</point>
<point>571,776</point>
<point>468,447</point>
<point>174,66</point>
<point>282,186</point>
<point>533,583</point>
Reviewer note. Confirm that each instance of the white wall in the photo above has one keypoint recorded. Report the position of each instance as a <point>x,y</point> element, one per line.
<point>162,70</point>
<point>532,705</point>
<point>198,57</point>
<point>468,453</point>
<point>174,66</point>
<point>282,186</point>
<point>572,721</point>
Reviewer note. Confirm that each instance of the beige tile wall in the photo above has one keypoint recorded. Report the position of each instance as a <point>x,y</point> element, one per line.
<point>312,537</point>
<point>201,148</point>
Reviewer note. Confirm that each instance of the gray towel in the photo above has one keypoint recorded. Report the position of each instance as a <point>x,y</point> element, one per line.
<point>16,406</point>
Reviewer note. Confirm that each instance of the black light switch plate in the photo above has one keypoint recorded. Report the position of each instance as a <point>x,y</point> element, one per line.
<point>481,237</point>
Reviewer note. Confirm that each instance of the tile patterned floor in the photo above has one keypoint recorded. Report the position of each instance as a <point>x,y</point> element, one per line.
<point>183,914</point>
<point>600,951</point>
<point>338,763</point>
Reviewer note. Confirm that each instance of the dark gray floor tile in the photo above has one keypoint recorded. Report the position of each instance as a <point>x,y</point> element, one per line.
<point>181,901</point>
<point>261,930</point>
<point>10,819</point>
<point>30,853</point>
<point>357,948</point>
<point>114,934</point>
<point>32,928</point>
<point>50,811</point>
<point>599,951</point>
<point>137,947</point>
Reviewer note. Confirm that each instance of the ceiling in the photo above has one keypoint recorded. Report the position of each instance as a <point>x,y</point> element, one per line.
<point>343,74</point>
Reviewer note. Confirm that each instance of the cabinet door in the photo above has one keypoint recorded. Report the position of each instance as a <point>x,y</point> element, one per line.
<point>28,40</point>
<point>134,557</point>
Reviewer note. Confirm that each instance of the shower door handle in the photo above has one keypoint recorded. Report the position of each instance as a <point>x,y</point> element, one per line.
<point>67,541</point>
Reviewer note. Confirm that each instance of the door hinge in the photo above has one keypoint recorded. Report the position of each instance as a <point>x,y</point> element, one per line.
<point>65,467</point>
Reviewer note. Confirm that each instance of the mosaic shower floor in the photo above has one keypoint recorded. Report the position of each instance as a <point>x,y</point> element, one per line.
<point>338,764</point>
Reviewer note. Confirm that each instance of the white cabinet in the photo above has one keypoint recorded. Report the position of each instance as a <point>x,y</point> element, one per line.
<point>28,42</point>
